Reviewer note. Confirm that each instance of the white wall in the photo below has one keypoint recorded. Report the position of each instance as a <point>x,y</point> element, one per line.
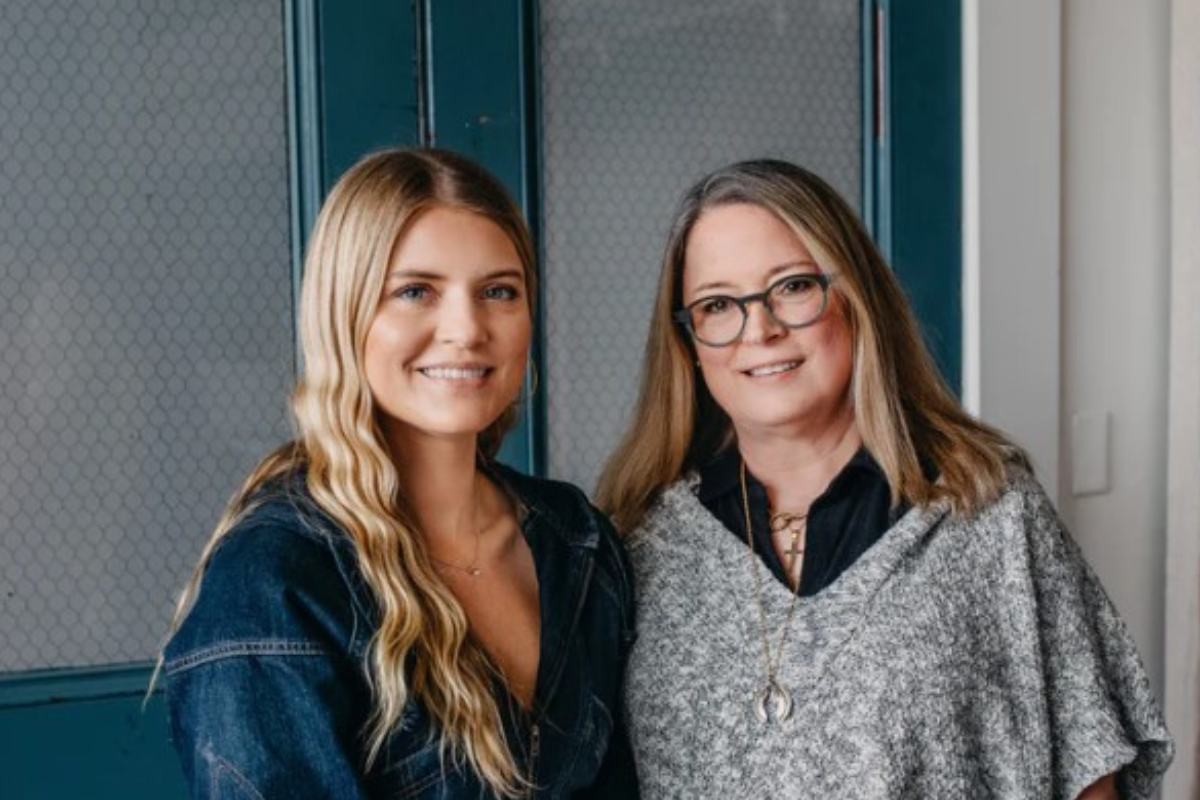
<point>1067,263</point>
<point>1182,629</point>
<point>1011,344</point>
<point>1116,269</point>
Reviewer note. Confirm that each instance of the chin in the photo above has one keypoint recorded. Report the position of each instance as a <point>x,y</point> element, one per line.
<point>784,419</point>
<point>444,427</point>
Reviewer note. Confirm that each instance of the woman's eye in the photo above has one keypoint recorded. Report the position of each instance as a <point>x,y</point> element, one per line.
<point>797,284</point>
<point>501,291</point>
<point>414,293</point>
<point>714,306</point>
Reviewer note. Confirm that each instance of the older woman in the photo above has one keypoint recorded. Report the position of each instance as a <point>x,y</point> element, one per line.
<point>848,587</point>
<point>385,611</point>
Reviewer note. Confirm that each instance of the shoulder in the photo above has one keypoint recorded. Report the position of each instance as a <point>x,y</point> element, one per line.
<point>281,580</point>
<point>562,506</point>
<point>1019,536</point>
<point>1021,508</point>
<point>568,510</point>
<point>1025,498</point>
<point>278,547</point>
<point>676,509</point>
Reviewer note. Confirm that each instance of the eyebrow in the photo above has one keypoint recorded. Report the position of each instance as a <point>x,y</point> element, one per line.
<point>430,275</point>
<point>704,287</point>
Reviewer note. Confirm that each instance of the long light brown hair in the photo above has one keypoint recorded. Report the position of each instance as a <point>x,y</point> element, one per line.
<point>927,445</point>
<point>421,650</point>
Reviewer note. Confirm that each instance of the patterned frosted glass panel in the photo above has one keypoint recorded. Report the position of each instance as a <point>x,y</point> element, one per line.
<point>640,100</point>
<point>145,306</point>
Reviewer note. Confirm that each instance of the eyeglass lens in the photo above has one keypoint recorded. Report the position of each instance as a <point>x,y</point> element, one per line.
<point>794,302</point>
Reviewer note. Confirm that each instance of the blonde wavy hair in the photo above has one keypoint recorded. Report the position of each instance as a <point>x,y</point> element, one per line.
<point>907,417</point>
<point>421,650</point>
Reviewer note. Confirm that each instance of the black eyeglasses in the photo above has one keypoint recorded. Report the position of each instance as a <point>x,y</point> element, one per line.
<point>794,301</point>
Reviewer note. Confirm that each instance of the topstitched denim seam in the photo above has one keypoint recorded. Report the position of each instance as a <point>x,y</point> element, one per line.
<point>266,647</point>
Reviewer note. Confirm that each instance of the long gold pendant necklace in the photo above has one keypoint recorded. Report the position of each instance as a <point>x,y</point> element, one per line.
<point>773,702</point>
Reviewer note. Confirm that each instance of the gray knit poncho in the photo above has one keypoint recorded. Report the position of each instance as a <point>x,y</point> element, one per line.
<point>957,658</point>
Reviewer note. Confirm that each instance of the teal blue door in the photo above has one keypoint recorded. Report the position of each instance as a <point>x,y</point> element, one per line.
<point>278,100</point>
<point>168,162</point>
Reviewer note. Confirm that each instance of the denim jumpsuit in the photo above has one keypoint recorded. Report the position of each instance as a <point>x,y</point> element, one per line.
<point>267,676</point>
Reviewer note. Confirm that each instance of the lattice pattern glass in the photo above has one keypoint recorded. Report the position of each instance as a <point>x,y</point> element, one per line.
<point>640,100</point>
<point>145,306</point>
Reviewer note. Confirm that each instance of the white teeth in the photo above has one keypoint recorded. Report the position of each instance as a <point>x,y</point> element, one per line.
<point>773,369</point>
<point>455,373</point>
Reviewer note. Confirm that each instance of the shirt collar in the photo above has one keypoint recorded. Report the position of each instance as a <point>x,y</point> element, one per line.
<point>721,475</point>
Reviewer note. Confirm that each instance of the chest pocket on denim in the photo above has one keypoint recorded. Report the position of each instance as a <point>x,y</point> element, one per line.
<point>414,770</point>
<point>592,744</point>
<point>418,777</point>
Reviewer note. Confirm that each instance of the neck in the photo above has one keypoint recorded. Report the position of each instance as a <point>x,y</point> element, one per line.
<point>796,469</point>
<point>440,481</point>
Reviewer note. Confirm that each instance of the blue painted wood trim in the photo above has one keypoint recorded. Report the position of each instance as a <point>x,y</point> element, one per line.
<point>867,209</point>
<point>53,686</point>
<point>924,44</point>
<point>368,81</point>
<point>480,78</point>
<point>304,140</point>
<point>530,50</point>
<point>107,746</point>
<point>877,152</point>
<point>913,160</point>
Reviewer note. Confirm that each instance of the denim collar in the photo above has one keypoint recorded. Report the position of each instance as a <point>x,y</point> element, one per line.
<point>558,506</point>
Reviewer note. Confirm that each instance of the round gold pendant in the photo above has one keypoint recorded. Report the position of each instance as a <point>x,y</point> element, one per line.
<point>773,703</point>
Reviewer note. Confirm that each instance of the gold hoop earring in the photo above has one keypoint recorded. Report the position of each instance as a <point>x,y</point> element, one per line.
<point>529,386</point>
<point>533,378</point>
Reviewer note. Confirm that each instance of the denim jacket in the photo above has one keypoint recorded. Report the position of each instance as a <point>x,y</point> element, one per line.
<point>267,676</point>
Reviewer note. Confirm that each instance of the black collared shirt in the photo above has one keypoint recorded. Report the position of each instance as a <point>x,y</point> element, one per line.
<point>850,516</point>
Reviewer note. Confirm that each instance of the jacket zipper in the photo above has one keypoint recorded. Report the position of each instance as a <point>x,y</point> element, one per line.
<point>535,749</point>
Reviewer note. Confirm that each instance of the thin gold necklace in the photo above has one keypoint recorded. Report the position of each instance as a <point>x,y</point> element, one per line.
<point>473,569</point>
<point>772,702</point>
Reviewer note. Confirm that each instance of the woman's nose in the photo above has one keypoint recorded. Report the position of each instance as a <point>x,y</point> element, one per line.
<point>461,322</point>
<point>761,324</point>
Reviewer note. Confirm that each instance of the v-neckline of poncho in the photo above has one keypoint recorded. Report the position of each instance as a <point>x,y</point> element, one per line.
<point>834,613</point>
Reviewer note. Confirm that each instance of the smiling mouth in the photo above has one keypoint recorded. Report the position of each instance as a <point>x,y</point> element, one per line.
<point>773,369</point>
<point>455,373</point>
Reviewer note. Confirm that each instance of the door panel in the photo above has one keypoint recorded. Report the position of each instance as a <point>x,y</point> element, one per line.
<point>146,321</point>
<point>638,101</point>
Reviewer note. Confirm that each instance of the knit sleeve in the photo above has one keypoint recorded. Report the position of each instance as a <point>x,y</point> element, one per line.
<point>1103,714</point>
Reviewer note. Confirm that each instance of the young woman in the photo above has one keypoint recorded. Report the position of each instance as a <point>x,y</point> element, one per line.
<point>847,586</point>
<point>384,611</point>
